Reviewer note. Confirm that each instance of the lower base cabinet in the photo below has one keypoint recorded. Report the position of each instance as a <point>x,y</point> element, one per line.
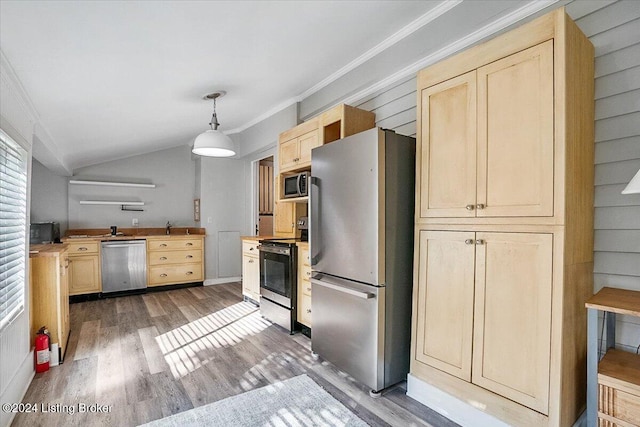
<point>304,285</point>
<point>251,270</point>
<point>84,274</point>
<point>483,310</point>
<point>50,297</point>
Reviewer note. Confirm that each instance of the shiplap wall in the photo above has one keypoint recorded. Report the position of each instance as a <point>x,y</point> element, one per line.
<point>614,30</point>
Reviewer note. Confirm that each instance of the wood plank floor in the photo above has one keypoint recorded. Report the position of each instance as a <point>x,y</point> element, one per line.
<point>153,355</point>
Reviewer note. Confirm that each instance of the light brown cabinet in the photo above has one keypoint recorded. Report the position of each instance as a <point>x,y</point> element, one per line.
<point>84,268</point>
<point>504,167</point>
<point>285,215</point>
<point>295,153</point>
<point>50,296</point>
<point>304,285</point>
<point>251,270</point>
<point>174,260</point>
<point>504,223</point>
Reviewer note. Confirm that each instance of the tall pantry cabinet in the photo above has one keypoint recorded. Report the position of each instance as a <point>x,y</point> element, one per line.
<point>504,223</point>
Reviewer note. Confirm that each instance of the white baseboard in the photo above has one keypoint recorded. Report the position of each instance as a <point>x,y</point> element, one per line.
<point>17,389</point>
<point>457,410</point>
<point>209,282</point>
<point>445,404</point>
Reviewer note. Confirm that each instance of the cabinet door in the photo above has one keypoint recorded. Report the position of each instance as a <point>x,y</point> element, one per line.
<point>63,311</point>
<point>307,142</point>
<point>448,156</point>
<point>251,276</point>
<point>84,275</point>
<point>512,331</point>
<point>445,301</point>
<point>289,154</point>
<point>284,223</point>
<point>515,134</point>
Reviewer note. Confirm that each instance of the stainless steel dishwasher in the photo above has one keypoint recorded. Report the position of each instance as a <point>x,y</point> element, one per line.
<point>124,265</point>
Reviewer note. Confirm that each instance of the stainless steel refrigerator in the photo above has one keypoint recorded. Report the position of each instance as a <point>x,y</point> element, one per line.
<point>361,242</point>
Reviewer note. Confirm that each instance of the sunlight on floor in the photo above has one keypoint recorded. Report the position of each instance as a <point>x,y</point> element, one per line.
<point>182,347</point>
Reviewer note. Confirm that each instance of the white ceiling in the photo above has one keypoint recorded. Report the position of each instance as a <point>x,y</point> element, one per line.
<point>110,79</point>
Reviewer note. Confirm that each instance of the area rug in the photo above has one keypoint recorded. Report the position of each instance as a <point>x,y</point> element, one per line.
<point>298,401</point>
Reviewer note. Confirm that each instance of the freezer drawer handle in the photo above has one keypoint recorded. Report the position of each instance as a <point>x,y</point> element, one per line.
<point>359,294</point>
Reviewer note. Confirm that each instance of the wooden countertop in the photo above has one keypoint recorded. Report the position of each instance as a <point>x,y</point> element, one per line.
<point>48,250</point>
<point>256,238</point>
<point>93,234</point>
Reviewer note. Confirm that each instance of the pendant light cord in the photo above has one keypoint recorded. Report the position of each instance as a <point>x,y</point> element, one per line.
<point>214,119</point>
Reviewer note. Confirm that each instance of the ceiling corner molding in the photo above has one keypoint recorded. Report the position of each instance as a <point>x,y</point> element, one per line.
<point>404,32</point>
<point>13,82</point>
<point>454,47</point>
<point>263,116</point>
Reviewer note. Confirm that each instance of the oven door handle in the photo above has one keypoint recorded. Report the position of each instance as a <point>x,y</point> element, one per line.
<point>344,289</point>
<point>280,251</point>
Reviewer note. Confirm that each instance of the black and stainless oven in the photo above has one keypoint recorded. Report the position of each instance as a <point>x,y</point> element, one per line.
<point>278,280</point>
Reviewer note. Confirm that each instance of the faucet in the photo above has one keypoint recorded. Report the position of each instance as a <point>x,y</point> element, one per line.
<point>168,228</point>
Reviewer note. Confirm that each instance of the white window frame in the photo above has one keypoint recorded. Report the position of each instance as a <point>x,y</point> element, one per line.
<point>13,231</point>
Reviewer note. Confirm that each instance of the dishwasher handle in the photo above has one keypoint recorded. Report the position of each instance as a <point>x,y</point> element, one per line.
<point>126,244</point>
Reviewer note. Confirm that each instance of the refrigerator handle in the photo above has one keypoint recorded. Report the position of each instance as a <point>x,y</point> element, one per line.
<point>355,293</point>
<point>314,199</point>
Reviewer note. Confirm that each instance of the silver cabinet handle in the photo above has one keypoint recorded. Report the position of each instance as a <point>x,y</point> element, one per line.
<point>469,241</point>
<point>163,275</point>
<point>479,242</point>
<point>479,206</point>
<point>470,207</point>
<point>83,249</point>
<point>355,293</point>
<point>163,258</point>
<point>163,245</point>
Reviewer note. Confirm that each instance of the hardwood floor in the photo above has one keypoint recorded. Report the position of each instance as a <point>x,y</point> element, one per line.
<point>153,355</point>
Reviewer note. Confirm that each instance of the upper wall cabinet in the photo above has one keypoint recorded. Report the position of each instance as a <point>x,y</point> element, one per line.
<point>295,144</point>
<point>488,140</point>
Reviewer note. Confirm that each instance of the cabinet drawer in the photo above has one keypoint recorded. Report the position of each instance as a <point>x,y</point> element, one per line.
<point>82,248</point>
<point>305,310</point>
<point>305,287</point>
<point>250,247</point>
<point>175,257</point>
<point>618,404</point>
<point>305,272</point>
<point>169,274</point>
<point>168,244</point>
<point>303,254</point>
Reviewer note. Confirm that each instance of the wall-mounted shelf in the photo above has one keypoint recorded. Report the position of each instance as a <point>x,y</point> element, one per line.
<point>111,184</point>
<point>109,202</point>
<point>124,206</point>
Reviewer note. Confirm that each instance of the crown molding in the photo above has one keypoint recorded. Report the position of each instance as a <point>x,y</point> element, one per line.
<point>13,82</point>
<point>406,31</point>
<point>439,10</point>
<point>452,48</point>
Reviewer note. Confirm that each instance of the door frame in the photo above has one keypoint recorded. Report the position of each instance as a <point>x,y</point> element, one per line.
<point>255,188</point>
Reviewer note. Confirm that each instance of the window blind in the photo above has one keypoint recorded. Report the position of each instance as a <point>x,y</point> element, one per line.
<point>13,228</point>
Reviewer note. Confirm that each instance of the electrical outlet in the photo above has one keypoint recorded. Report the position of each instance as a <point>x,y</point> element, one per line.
<point>134,222</point>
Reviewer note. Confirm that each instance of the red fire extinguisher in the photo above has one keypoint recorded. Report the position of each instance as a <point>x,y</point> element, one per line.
<point>43,341</point>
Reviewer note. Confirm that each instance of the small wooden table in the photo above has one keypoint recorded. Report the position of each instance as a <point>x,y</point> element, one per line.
<point>619,372</point>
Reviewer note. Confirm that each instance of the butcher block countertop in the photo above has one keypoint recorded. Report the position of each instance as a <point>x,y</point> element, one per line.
<point>100,234</point>
<point>48,250</point>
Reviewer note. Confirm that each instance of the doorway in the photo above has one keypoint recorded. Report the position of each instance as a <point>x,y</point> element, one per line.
<point>265,196</point>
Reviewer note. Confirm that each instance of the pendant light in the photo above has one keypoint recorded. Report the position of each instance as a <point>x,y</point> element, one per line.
<point>213,143</point>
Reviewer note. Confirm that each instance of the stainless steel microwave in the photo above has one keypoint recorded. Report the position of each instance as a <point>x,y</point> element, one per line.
<point>295,185</point>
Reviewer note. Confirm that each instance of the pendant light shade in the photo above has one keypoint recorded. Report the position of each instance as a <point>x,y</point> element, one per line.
<point>213,143</point>
<point>634,185</point>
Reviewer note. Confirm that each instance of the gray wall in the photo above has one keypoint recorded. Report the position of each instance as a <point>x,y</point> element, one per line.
<point>222,204</point>
<point>49,196</point>
<point>174,173</point>
<point>614,31</point>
